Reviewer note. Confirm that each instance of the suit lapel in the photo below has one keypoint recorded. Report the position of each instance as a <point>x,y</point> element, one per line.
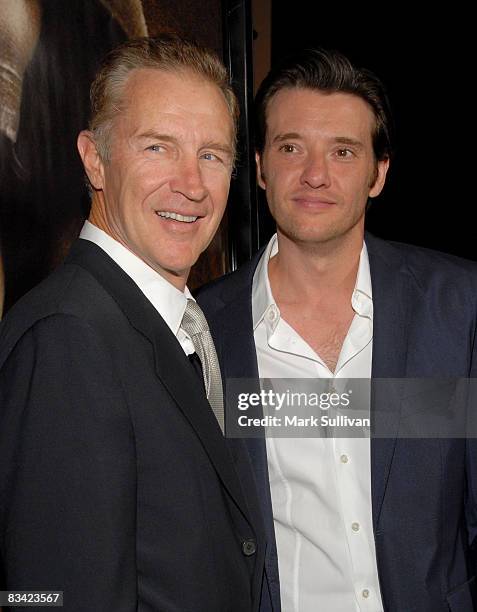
<point>231,325</point>
<point>181,382</point>
<point>234,336</point>
<point>391,311</point>
<point>232,329</point>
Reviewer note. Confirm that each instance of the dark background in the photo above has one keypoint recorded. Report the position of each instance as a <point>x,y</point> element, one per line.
<point>426,60</point>
<point>43,197</point>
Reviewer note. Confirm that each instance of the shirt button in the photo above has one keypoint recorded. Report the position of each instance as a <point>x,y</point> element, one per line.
<point>355,526</point>
<point>272,314</point>
<point>249,547</point>
<point>344,458</point>
<point>365,593</point>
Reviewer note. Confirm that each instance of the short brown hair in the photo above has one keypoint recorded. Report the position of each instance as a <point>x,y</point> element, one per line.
<point>168,52</point>
<point>330,72</point>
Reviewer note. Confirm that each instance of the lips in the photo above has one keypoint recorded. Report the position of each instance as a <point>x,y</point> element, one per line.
<point>312,199</point>
<point>313,203</point>
<point>165,214</point>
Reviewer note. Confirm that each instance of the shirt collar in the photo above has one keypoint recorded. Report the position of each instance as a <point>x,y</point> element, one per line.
<point>263,304</point>
<point>169,301</point>
<point>362,298</point>
<point>262,298</point>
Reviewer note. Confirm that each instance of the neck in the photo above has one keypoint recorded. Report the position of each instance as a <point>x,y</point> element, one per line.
<point>304,272</point>
<point>97,214</point>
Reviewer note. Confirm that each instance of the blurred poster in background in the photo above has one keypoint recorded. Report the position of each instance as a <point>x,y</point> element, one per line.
<point>49,53</point>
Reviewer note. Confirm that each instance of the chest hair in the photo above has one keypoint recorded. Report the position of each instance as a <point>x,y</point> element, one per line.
<point>323,328</point>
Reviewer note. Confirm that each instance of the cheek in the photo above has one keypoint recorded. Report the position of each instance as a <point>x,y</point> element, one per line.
<point>373,177</point>
<point>218,188</point>
<point>278,185</point>
<point>145,175</point>
<point>353,181</point>
<point>147,178</point>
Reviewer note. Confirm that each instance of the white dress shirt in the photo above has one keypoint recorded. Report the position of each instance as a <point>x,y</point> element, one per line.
<point>320,487</point>
<point>169,302</point>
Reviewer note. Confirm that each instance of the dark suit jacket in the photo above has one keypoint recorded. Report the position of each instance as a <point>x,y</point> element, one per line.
<point>424,491</point>
<point>116,484</point>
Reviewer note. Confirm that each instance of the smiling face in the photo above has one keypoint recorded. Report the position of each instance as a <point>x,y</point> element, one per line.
<point>318,167</point>
<point>163,191</point>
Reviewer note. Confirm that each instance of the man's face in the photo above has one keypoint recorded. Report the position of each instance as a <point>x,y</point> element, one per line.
<point>318,166</point>
<point>164,189</point>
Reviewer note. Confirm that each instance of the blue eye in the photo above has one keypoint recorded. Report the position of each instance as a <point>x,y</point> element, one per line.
<point>155,148</point>
<point>209,157</point>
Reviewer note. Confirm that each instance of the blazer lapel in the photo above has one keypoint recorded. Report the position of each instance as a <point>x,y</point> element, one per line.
<point>234,336</point>
<point>231,325</point>
<point>391,310</point>
<point>181,382</point>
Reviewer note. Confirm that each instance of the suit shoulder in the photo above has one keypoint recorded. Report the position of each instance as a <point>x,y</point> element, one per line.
<point>70,289</point>
<point>419,253</point>
<point>222,290</point>
<point>69,298</point>
<point>214,295</point>
<point>431,263</point>
<point>440,282</point>
<point>216,286</point>
<point>423,262</point>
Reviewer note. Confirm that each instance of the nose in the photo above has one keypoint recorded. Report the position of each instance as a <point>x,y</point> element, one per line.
<point>188,180</point>
<point>315,172</point>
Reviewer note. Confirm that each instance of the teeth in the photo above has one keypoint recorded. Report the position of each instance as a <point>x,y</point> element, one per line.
<point>176,216</point>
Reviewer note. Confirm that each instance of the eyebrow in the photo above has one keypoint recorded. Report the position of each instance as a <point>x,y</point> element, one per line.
<point>349,141</point>
<point>338,139</point>
<point>216,146</point>
<point>152,135</point>
<point>287,136</point>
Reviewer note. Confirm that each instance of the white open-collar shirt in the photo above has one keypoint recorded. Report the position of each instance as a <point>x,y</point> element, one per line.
<point>320,487</point>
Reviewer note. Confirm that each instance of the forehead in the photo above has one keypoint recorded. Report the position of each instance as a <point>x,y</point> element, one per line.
<point>154,99</point>
<point>307,111</point>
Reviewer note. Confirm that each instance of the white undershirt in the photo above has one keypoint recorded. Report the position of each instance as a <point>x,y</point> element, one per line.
<point>169,302</point>
<point>320,488</point>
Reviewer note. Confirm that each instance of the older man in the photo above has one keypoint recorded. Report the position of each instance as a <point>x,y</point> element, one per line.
<point>116,483</point>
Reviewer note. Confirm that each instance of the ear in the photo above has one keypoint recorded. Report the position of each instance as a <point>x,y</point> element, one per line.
<point>260,175</point>
<point>92,162</point>
<point>378,184</point>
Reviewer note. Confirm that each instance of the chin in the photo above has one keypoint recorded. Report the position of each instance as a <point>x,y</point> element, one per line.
<point>306,234</point>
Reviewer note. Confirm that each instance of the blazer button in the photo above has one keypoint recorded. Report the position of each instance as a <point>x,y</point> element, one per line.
<point>249,547</point>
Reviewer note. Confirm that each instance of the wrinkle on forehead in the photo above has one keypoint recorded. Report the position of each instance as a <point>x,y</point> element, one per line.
<point>180,105</point>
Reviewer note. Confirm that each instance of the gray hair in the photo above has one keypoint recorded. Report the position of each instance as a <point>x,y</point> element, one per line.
<point>168,52</point>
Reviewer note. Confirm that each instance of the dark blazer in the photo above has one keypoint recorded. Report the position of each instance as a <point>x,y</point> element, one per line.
<point>116,484</point>
<point>424,491</point>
